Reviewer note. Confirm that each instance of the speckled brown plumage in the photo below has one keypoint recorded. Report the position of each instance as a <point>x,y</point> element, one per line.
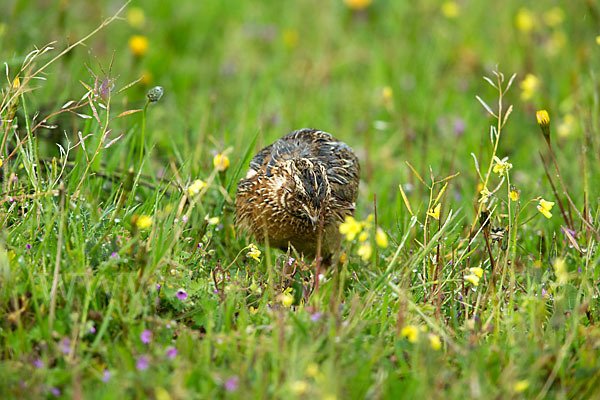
<point>292,186</point>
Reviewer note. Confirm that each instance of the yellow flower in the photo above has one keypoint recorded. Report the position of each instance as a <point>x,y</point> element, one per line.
<point>435,212</point>
<point>381,238</point>
<point>529,85</point>
<point>365,251</point>
<point>253,252</point>
<point>543,120</point>
<point>299,387</point>
<point>138,45</point>
<point>212,221</point>
<point>501,167</point>
<point>514,196</point>
<point>477,271</point>
<point>542,117</point>
<point>472,278</point>
<point>387,94</point>
<point>144,221</point>
<point>387,97</point>
<point>350,227</point>
<point>560,269</point>
<point>554,17</point>
<point>567,126</point>
<point>358,4</point>
<point>410,332</point>
<point>598,40</point>
<point>147,78</point>
<point>525,20</point>
<point>450,9</point>
<point>363,236</point>
<point>485,195</point>
<point>434,341</point>
<point>343,258</point>
<point>1,162</point>
<point>221,162</point>
<point>521,386</point>
<point>136,17</point>
<point>252,310</point>
<point>544,207</point>
<point>290,38</point>
<point>196,187</point>
<point>286,299</point>
<point>312,370</point>
<point>17,82</point>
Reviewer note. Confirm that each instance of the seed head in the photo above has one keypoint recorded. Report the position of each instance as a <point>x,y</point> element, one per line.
<point>155,94</point>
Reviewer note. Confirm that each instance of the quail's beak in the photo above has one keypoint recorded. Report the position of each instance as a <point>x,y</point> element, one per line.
<point>313,216</point>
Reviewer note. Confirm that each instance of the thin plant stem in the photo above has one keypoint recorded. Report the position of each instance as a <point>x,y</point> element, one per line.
<point>143,134</point>
<point>564,188</point>
<point>561,206</point>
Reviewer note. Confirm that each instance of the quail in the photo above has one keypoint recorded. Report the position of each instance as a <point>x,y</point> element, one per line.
<point>298,189</point>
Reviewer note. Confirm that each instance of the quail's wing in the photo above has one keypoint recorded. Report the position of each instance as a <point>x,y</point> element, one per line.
<point>343,169</point>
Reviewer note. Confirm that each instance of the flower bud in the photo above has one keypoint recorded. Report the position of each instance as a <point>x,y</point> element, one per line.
<point>155,94</point>
<point>543,120</point>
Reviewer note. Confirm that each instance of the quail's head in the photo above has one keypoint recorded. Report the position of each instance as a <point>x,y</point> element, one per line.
<point>307,191</point>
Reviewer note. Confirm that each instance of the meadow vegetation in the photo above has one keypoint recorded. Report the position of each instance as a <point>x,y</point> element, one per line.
<point>470,269</point>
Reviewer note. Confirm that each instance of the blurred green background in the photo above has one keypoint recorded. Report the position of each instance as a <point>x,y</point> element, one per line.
<point>234,68</point>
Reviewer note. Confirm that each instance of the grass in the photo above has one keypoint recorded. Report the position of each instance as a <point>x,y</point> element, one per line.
<point>118,281</point>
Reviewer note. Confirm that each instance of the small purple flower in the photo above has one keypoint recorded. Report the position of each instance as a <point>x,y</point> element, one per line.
<point>158,286</point>
<point>181,294</point>
<point>115,256</point>
<point>105,376</point>
<point>38,363</point>
<point>171,352</point>
<point>291,261</point>
<point>142,363</point>
<point>23,384</point>
<point>55,391</point>
<point>459,126</point>
<point>579,269</point>
<point>92,329</point>
<point>28,246</point>
<point>544,293</point>
<point>316,316</point>
<point>231,384</point>
<point>184,218</point>
<point>216,291</point>
<point>567,230</point>
<point>146,336</point>
<point>65,345</point>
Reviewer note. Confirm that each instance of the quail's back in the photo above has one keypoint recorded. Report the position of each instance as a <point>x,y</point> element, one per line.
<point>305,180</point>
